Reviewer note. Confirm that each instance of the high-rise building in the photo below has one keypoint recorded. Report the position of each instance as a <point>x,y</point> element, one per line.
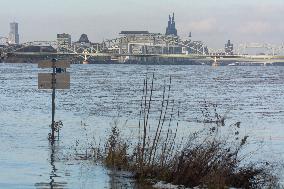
<point>229,48</point>
<point>13,35</point>
<point>171,29</point>
<point>63,42</point>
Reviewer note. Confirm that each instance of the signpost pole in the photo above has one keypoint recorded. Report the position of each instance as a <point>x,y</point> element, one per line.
<point>53,99</point>
<point>54,80</point>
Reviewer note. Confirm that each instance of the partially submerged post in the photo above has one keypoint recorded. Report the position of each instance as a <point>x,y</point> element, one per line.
<point>53,83</point>
<point>55,80</point>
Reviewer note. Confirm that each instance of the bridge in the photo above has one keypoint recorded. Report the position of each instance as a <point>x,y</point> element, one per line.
<point>269,48</point>
<point>274,54</point>
<point>246,59</point>
<point>3,40</point>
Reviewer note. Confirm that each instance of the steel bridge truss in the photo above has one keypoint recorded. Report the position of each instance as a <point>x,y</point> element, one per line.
<point>270,49</point>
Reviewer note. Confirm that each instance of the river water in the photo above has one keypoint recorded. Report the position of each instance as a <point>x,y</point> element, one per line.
<point>100,94</point>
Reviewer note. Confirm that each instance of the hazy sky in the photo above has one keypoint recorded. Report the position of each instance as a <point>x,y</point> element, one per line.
<point>212,21</point>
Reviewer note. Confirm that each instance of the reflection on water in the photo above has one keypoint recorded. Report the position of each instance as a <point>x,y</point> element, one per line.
<point>53,184</point>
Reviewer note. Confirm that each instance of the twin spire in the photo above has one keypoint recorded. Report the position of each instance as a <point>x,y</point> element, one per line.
<point>171,29</point>
<point>172,19</point>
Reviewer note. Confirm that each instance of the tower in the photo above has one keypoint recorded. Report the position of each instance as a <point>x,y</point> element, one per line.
<point>169,22</point>
<point>173,22</point>
<point>171,29</point>
<point>229,48</point>
<point>14,35</point>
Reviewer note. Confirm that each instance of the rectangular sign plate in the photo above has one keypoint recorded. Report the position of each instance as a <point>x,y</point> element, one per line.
<point>62,81</point>
<point>58,64</point>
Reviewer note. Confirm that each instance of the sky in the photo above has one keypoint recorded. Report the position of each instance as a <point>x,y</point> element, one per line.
<point>211,21</point>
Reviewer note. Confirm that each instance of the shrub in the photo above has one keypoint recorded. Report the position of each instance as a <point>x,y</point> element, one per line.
<point>202,160</point>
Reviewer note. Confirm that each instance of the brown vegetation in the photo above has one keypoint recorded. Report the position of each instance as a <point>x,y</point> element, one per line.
<point>200,160</point>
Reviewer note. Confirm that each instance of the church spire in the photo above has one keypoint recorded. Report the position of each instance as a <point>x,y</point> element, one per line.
<point>171,29</point>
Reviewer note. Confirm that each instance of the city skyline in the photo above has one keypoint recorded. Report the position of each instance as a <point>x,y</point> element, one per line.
<point>211,21</point>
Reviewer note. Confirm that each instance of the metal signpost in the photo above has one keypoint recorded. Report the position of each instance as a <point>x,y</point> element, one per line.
<point>62,80</point>
<point>58,79</point>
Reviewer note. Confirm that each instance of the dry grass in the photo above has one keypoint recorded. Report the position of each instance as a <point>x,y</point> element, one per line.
<point>199,161</point>
<point>116,151</point>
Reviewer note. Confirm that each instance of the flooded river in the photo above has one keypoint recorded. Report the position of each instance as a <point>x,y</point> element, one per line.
<point>100,94</point>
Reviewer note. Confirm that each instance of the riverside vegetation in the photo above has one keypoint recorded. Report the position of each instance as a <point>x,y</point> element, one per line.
<point>209,158</point>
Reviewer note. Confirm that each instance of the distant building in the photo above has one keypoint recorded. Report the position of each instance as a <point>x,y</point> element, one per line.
<point>134,33</point>
<point>229,48</point>
<point>34,48</point>
<point>142,42</point>
<point>84,39</point>
<point>147,43</point>
<point>14,34</point>
<point>134,42</point>
<point>63,42</point>
<point>171,29</point>
<point>82,43</point>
